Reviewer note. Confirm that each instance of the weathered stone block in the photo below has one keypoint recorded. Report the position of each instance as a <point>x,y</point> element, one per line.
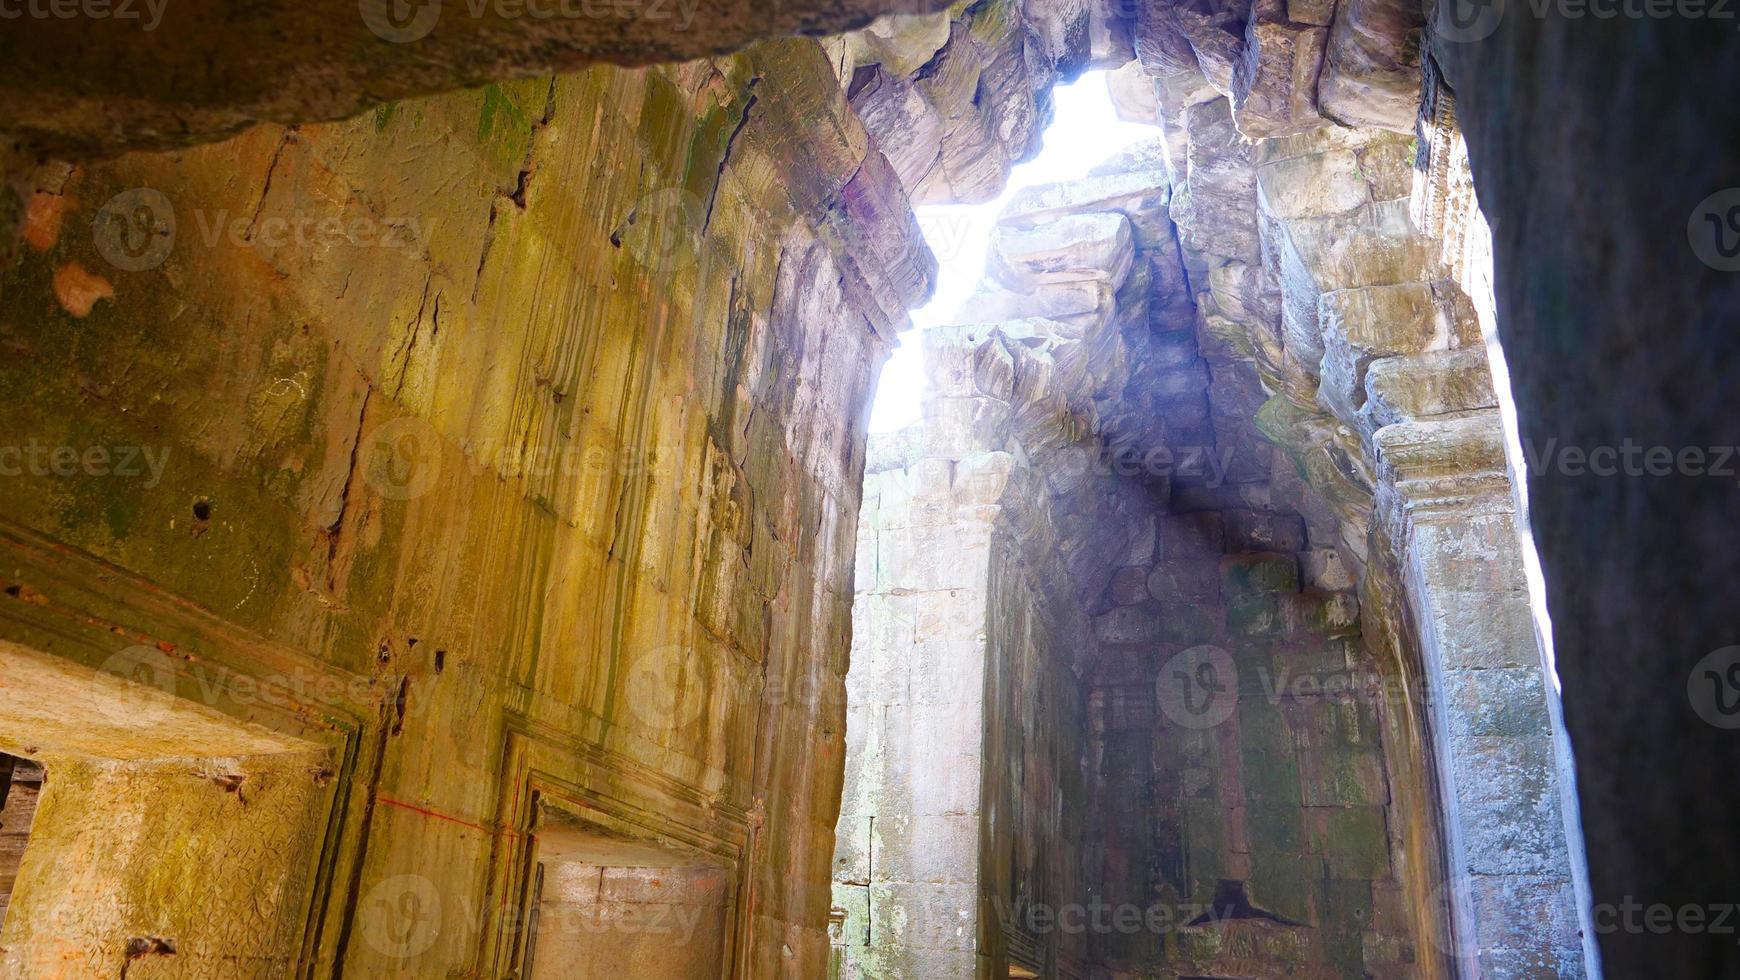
<point>1192,536</point>
<point>1248,574</point>
<point>1480,553</point>
<point>1204,839</point>
<point>1324,613</point>
<point>1502,701</point>
<point>1097,246</point>
<point>1336,775</point>
<point>1404,389</point>
<point>1275,829</point>
<point>1267,755</point>
<point>1274,82</point>
<point>957,427</point>
<point>1249,530</point>
<point>1196,581</point>
<point>1505,786</point>
<point>1133,94</point>
<point>923,916</point>
<point>1282,883</point>
<point>1329,569</point>
<point>897,962</point>
<point>1135,194</point>
<point>1316,186</point>
<point>1530,917</point>
<point>1187,623</point>
<point>1356,843</point>
<point>1129,586</point>
<point>1218,215</point>
<point>855,899</point>
<point>1128,624</point>
<point>1371,74</point>
<point>926,848</point>
<point>1255,616</point>
<point>1475,630</point>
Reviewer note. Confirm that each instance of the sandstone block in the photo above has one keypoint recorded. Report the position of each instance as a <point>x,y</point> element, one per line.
<point>1371,65</point>
<point>1192,536</point>
<point>1185,580</point>
<point>1096,246</point>
<point>1133,94</point>
<point>1502,701</point>
<point>1274,85</point>
<point>1329,569</point>
<point>1129,586</point>
<point>1127,624</point>
<point>1315,186</point>
<point>1251,574</point>
<point>1250,530</point>
<point>1407,388</point>
<point>1325,613</point>
<point>1256,615</point>
<point>1187,623</point>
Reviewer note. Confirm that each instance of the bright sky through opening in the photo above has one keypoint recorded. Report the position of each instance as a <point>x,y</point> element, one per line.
<point>1085,130</point>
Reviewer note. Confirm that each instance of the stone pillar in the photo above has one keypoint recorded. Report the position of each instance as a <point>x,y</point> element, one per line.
<point>1509,895</point>
<point>906,868</point>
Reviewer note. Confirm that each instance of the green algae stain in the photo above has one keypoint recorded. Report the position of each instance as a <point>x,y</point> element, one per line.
<point>384,116</point>
<point>501,113</point>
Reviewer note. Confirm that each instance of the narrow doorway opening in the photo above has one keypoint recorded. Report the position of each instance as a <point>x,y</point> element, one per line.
<point>20,785</point>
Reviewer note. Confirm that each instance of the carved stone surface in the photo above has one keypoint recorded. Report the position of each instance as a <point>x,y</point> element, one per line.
<point>525,402</point>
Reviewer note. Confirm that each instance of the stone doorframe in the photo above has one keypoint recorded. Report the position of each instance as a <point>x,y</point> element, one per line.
<point>165,830</point>
<point>612,797</point>
<point>96,618</point>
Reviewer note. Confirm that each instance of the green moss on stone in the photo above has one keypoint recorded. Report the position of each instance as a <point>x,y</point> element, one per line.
<point>1255,573</point>
<point>1254,615</point>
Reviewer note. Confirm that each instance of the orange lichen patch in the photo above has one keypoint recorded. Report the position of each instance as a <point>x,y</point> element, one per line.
<point>78,289</point>
<point>42,220</point>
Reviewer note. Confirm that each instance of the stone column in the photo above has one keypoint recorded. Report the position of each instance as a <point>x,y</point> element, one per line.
<point>1509,894</point>
<point>906,868</point>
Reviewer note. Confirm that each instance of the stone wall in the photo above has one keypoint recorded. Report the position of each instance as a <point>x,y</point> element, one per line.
<point>492,442</point>
<point>1338,260</point>
<point>1240,724</point>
